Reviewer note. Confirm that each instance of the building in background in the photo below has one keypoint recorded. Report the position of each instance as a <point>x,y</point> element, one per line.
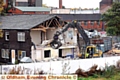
<point>8,3</point>
<point>88,21</point>
<point>38,3</point>
<point>105,5</point>
<point>74,11</point>
<point>22,3</point>
<point>29,10</point>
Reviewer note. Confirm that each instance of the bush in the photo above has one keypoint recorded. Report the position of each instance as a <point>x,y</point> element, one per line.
<point>109,71</point>
<point>16,62</point>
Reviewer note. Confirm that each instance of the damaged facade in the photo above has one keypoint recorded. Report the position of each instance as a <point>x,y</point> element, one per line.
<point>25,35</point>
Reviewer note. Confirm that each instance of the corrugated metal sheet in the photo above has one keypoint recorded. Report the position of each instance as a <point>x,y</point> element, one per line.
<point>114,39</point>
<point>107,43</point>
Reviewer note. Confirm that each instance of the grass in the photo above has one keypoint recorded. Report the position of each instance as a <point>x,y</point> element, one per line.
<point>115,76</point>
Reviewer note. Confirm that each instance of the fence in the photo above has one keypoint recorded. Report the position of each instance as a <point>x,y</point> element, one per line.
<point>56,67</point>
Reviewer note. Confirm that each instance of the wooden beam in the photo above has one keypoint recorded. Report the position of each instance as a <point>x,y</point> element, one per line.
<point>41,26</point>
<point>58,24</point>
<point>46,23</point>
<point>62,23</point>
<point>49,23</point>
<point>44,30</point>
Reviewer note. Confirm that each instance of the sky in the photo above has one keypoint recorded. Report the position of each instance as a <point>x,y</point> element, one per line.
<point>73,3</point>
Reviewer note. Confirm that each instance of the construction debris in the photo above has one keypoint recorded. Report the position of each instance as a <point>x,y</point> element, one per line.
<point>91,72</point>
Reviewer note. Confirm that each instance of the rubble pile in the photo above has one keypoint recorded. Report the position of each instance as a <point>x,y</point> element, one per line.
<point>115,51</point>
<point>93,70</point>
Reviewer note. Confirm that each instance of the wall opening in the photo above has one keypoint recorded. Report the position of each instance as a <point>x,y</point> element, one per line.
<point>60,53</point>
<point>47,53</point>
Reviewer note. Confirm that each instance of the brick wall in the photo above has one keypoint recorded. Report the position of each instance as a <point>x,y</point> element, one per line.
<point>104,5</point>
<point>95,25</point>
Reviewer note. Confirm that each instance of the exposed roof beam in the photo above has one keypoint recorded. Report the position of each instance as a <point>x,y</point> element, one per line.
<point>44,30</point>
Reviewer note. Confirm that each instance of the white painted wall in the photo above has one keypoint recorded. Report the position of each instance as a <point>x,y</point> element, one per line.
<point>50,33</point>
<point>35,36</point>
<point>60,11</point>
<point>56,66</point>
<point>68,39</point>
<point>39,52</point>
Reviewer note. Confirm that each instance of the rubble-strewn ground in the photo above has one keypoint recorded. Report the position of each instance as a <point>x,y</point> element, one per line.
<point>108,54</point>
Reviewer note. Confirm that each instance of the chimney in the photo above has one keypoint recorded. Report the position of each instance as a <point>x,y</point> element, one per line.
<point>60,4</point>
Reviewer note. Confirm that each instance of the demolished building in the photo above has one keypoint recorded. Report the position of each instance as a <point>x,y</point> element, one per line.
<point>25,36</point>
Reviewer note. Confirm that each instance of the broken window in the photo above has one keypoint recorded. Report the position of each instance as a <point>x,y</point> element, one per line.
<point>21,54</point>
<point>7,36</point>
<point>47,53</point>
<point>21,36</point>
<point>5,53</point>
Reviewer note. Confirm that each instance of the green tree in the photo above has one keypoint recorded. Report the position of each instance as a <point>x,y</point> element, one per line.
<point>112,19</point>
<point>63,7</point>
<point>97,8</point>
<point>44,5</point>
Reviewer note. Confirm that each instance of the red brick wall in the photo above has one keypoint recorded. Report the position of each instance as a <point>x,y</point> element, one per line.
<point>89,26</point>
<point>95,25</point>
<point>15,11</point>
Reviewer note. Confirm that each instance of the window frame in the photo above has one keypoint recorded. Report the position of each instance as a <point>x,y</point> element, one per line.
<point>6,36</point>
<point>21,52</point>
<point>6,53</point>
<point>21,36</point>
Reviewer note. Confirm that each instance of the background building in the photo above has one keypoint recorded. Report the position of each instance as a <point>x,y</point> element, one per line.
<point>106,4</point>
<point>28,3</point>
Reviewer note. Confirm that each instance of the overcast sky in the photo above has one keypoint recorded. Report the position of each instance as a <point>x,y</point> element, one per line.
<point>73,3</point>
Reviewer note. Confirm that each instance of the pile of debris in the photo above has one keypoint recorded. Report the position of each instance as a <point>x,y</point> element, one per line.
<point>93,70</point>
<point>107,71</point>
<point>115,51</point>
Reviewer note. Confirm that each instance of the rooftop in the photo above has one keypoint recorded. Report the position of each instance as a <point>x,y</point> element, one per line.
<point>21,22</point>
<point>79,16</point>
<point>33,8</point>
